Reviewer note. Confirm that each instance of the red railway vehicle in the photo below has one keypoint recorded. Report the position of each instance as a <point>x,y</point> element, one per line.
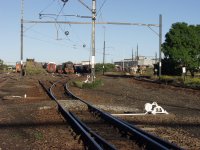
<point>18,67</point>
<point>51,67</point>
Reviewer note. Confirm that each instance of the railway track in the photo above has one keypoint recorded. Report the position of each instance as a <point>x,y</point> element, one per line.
<point>98,129</point>
<point>169,83</point>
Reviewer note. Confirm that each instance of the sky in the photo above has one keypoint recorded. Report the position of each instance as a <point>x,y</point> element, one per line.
<point>48,42</point>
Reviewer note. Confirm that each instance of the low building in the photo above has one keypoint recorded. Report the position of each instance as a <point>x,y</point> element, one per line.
<point>141,61</point>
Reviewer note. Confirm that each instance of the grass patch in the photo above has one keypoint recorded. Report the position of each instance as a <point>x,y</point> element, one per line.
<point>167,79</point>
<point>189,82</point>
<point>91,85</point>
<point>38,135</point>
<point>78,84</point>
<point>192,82</point>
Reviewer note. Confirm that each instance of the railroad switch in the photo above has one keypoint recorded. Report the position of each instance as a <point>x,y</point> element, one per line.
<point>87,80</point>
<point>154,109</point>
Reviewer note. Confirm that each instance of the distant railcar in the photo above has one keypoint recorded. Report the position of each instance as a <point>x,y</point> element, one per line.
<point>59,69</point>
<point>68,67</point>
<point>18,67</point>
<point>51,67</point>
<point>78,68</point>
<point>82,69</point>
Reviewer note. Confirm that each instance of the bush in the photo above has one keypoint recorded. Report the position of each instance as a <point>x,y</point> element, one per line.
<point>107,67</point>
<point>92,85</point>
<point>33,68</point>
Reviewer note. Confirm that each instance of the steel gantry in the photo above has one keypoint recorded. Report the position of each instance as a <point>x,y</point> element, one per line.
<point>93,10</point>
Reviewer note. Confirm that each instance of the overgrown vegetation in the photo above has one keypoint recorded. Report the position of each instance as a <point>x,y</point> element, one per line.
<point>192,82</point>
<point>171,79</point>
<point>2,66</point>
<point>181,80</point>
<point>107,67</point>
<point>33,68</point>
<point>92,85</point>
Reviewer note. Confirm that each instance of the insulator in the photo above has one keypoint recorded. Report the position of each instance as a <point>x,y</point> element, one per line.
<point>64,1</point>
<point>66,32</point>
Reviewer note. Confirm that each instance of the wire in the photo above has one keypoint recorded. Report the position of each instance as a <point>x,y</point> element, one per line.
<point>153,30</point>
<point>60,10</point>
<point>101,7</point>
<point>26,29</point>
<point>47,7</point>
<point>51,37</point>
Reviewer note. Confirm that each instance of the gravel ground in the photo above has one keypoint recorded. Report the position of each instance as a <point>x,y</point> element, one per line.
<point>33,122</point>
<point>126,95</point>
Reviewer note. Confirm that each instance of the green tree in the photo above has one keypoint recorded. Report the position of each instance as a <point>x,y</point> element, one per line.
<point>182,45</point>
<point>108,67</point>
<point>1,64</point>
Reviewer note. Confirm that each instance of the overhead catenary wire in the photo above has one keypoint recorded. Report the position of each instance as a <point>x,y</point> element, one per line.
<point>153,30</point>
<point>46,7</point>
<point>49,36</point>
<point>99,12</point>
<point>101,7</point>
<point>58,25</point>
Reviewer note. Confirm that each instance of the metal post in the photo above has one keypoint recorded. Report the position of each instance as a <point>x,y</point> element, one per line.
<point>132,58</point>
<point>160,42</point>
<point>93,39</point>
<point>137,55</point>
<point>104,49</point>
<point>21,58</point>
<point>123,65</point>
<point>156,58</point>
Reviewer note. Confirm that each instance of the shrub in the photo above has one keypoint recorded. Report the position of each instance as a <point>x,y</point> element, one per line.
<point>34,69</point>
<point>91,85</point>
<point>107,67</point>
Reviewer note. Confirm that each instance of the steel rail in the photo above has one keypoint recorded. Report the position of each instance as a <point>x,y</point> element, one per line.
<point>142,137</point>
<point>97,138</point>
<point>85,136</point>
<point>163,142</point>
<point>141,78</point>
<point>103,144</point>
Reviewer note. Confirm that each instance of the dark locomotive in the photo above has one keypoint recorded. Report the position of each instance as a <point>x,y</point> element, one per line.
<point>67,68</point>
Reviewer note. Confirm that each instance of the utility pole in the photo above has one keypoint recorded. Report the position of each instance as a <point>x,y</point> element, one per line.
<point>160,42</point>
<point>104,49</point>
<point>21,36</point>
<point>137,55</point>
<point>156,58</point>
<point>93,39</point>
<point>132,57</point>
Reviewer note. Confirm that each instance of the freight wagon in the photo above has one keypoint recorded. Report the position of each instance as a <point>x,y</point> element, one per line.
<point>59,69</point>
<point>68,67</point>
<point>18,67</point>
<point>51,67</point>
<point>82,69</point>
